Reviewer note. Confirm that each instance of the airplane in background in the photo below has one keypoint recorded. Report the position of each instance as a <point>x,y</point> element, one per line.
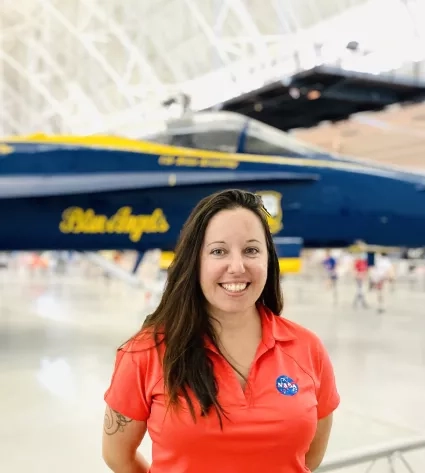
<point>103,192</point>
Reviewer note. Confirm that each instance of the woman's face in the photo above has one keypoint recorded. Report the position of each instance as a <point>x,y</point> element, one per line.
<point>233,261</point>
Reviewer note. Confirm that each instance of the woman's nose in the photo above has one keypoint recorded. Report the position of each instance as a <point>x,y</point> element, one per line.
<point>236,265</point>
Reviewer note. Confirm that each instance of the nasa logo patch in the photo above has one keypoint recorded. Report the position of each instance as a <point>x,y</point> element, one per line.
<point>285,385</point>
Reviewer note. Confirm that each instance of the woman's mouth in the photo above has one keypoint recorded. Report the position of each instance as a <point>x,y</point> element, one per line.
<point>235,287</point>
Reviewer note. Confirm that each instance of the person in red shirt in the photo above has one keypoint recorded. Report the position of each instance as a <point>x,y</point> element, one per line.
<point>220,380</point>
<point>360,275</point>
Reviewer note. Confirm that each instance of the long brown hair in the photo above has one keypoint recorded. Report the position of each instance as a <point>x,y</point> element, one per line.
<point>181,317</point>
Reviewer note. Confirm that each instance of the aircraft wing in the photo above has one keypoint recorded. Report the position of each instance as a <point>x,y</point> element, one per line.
<point>44,186</point>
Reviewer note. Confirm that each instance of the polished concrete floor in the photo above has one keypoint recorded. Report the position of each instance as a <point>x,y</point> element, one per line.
<point>58,335</point>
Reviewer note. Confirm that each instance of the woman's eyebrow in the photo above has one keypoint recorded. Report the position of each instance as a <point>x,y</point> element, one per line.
<point>223,242</point>
<point>215,242</point>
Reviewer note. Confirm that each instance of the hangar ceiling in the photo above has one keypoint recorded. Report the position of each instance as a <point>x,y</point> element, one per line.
<point>106,66</point>
<point>395,136</point>
<point>88,66</point>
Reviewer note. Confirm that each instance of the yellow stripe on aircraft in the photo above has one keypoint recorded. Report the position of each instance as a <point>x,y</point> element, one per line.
<point>290,265</point>
<point>173,153</point>
<point>166,259</point>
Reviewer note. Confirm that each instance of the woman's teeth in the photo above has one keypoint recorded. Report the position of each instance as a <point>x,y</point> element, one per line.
<point>239,287</point>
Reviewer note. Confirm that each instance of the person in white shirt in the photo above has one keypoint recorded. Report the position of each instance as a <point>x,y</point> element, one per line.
<point>381,272</point>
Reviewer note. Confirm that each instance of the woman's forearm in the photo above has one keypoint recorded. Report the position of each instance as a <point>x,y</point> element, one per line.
<point>137,465</point>
<point>140,464</point>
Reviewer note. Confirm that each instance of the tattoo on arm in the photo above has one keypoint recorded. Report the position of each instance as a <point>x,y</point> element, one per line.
<point>114,422</point>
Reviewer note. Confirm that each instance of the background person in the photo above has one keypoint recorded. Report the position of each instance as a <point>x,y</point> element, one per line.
<point>360,276</point>
<point>380,273</point>
<point>330,263</point>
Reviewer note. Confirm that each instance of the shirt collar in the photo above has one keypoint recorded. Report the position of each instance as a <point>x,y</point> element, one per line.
<point>274,327</point>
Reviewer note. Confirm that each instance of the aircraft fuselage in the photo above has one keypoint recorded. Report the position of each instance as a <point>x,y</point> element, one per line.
<point>56,196</point>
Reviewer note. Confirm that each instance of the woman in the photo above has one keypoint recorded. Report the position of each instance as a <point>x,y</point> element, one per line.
<point>220,380</point>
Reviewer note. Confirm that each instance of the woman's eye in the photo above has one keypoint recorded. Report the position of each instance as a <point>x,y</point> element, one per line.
<point>217,252</point>
<point>252,251</point>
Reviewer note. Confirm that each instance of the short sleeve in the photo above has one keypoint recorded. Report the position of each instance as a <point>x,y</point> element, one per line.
<point>328,398</point>
<point>128,392</point>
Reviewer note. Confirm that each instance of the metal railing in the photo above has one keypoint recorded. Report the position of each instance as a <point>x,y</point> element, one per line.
<point>390,452</point>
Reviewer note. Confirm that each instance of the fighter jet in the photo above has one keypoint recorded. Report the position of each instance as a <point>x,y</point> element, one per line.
<point>107,192</point>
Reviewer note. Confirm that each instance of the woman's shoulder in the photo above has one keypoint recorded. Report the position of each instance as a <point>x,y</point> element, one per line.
<point>301,331</point>
<point>303,337</point>
<point>144,341</point>
<point>284,329</point>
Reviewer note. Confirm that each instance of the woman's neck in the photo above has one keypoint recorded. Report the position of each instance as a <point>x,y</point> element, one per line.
<point>227,324</point>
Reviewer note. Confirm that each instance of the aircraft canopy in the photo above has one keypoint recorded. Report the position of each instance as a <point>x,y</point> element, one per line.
<point>229,132</point>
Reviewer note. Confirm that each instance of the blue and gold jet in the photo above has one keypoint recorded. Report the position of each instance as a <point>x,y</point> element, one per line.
<point>103,192</point>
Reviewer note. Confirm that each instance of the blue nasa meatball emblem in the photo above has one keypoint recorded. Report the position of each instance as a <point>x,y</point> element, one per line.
<point>285,385</point>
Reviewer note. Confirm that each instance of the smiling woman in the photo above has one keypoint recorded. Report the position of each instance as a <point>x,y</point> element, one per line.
<point>219,378</point>
<point>233,268</point>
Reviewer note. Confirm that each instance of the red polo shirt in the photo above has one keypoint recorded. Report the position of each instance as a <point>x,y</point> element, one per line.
<point>270,425</point>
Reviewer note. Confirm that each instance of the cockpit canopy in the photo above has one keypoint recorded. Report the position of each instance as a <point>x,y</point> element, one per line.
<point>229,132</point>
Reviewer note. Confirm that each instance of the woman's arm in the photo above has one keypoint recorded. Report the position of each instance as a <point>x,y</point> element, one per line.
<point>121,438</point>
<point>319,444</point>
